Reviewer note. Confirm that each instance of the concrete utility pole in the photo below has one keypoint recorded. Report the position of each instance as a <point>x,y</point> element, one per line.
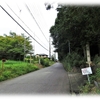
<point>24,46</point>
<point>88,58</point>
<point>49,47</point>
<point>88,54</point>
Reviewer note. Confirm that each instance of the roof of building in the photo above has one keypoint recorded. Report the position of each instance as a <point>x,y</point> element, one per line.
<point>42,54</point>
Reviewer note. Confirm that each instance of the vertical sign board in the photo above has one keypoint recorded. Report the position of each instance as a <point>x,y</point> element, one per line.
<point>86,71</point>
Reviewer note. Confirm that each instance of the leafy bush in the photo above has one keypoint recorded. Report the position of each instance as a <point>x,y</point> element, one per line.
<point>96,68</point>
<point>6,74</point>
<point>91,88</point>
<point>73,60</point>
<point>44,62</point>
<point>86,88</point>
<point>96,59</point>
<point>2,78</point>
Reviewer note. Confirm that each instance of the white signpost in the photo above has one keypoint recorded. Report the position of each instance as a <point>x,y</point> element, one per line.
<point>86,71</point>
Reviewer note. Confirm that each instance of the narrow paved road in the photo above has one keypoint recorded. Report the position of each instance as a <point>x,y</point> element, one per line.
<point>50,80</point>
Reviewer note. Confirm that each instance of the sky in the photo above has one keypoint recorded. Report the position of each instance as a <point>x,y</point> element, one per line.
<point>38,25</point>
<point>44,18</point>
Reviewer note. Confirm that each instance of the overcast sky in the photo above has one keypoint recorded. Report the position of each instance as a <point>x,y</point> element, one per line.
<point>44,18</point>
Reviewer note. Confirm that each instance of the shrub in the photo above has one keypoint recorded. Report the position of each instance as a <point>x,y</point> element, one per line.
<point>73,60</point>
<point>96,59</point>
<point>6,74</point>
<point>44,62</point>
<point>87,88</point>
<point>2,78</point>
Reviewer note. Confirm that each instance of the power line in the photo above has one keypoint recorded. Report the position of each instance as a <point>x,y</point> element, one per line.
<point>22,27</point>
<point>42,16</point>
<point>36,21</point>
<point>23,22</point>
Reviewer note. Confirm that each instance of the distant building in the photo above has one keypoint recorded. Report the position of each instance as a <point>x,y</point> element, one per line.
<point>30,53</point>
<point>42,55</point>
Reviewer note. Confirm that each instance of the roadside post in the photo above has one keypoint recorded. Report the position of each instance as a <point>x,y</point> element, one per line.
<point>87,71</point>
<point>3,60</point>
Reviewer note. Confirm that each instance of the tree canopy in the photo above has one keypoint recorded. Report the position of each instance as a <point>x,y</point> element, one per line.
<point>78,25</point>
<point>12,46</point>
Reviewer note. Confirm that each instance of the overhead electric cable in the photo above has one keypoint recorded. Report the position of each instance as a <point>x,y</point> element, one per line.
<point>23,22</point>
<point>22,27</point>
<point>42,15</point>
<point>36,21</point>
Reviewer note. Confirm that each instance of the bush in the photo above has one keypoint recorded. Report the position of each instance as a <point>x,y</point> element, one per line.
<point>2,78</point>
<point>6,74</point>
<point>96,59</point>
<point>73,60</point>
<point>96,68</point>
<point>87,88</point>
<point>44,62</point>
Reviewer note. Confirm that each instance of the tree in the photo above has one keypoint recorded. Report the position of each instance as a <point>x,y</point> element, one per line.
<point>77,24</point>
<point>12,46</point>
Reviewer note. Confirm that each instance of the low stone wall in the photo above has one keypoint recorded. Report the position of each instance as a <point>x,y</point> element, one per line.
<point>75,81</point>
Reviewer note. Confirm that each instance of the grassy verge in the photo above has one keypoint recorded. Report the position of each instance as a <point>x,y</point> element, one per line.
<point>13,69</point>
<point>93,88</point>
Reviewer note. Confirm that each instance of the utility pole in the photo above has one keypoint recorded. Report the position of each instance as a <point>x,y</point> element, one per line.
<point>24,46</point>
<point>49,47</point>
<point>88,58</point>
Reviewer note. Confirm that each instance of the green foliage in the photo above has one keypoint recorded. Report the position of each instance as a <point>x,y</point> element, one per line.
<point>45,62</point>
<point>86,88</point>
<point>96,68</point>
<point>73,60</point>
<point>96,60</point>
<point>6,74</point>
<point>89,89</point>
<point>2,78</point>
<point>92,88</point>
<point>12,46</point>
<point>97,74</point>
<point>15,68</point>
<point>77,24</point>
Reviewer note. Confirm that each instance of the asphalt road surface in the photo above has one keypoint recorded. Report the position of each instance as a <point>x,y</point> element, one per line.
<point>50,80</point>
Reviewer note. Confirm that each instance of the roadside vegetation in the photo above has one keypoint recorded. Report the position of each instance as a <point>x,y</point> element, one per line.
<point>74,63</point>
<point>11,69</point>
<point>94,86</point>
<point>13,56</point>
<point>74,28</point>
<point>73,60</point>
